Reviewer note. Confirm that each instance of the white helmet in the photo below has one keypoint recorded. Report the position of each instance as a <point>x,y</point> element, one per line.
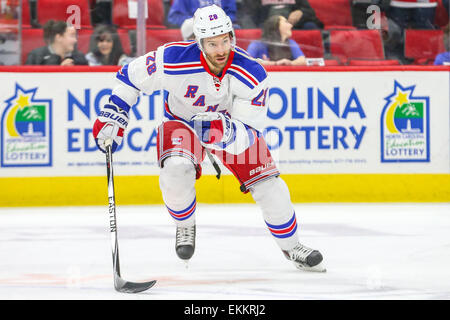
<point>211,21</point>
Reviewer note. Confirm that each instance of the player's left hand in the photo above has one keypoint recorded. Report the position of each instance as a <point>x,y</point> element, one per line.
<point>213,127</point>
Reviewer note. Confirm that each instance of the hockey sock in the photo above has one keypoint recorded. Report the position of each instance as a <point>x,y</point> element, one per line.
<point>177,183</point>
<point>273,198</point>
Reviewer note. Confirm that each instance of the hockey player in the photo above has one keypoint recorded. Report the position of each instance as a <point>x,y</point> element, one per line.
<point>214,99</point>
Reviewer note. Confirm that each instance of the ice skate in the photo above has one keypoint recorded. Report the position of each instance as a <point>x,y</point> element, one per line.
<point>305,258</point>
<point>185,242</point>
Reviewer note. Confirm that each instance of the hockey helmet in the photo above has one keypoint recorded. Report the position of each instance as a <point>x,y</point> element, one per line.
<point>211,21</point>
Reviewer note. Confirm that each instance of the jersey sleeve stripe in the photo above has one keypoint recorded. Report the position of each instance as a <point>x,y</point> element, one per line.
<point>243,72</point>
<point>120,103</point>
<point>241,78</point>
<point>122,75</point>
<point>250,65</point>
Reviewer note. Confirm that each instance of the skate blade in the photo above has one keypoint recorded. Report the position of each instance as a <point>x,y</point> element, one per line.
<point>317,268</point>
<point>185,263</point>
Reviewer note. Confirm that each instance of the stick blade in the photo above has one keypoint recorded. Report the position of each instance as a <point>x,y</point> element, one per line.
<point>132,287</point>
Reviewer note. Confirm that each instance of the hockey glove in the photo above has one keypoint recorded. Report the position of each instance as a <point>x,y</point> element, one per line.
<point>110,124</point>
<point>214,127</point>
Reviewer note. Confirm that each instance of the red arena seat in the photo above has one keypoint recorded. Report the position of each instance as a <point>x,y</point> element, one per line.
<point>245,36</point>
<point>332,62</point>
<point>31,39</point>
<point>26,15</point>
<point>125,40</point>
<point>121,17</point>
<point>354,62</point>
<point>310,42</point>
<point>63,10</point>
<point>335,14</point>
<point>356,44</point>
<point>423,45</point>
<point>156,38</point>
<point>84,38</point>
<point>441,18</point>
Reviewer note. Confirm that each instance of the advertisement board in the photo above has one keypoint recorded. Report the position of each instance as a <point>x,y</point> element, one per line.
<point>321,123</point>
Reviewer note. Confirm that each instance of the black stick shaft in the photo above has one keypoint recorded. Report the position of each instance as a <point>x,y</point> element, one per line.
<point>119,284</point>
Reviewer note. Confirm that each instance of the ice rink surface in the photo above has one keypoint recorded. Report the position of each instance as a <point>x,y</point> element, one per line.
<point>371,251</point>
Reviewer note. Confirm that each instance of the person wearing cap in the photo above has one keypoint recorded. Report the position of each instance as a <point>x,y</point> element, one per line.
<point>215,102</point>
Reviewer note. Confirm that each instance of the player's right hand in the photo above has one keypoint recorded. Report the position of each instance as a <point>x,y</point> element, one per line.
<point>110,126</point>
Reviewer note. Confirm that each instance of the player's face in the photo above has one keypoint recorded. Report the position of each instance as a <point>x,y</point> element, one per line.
<point>217,49</point>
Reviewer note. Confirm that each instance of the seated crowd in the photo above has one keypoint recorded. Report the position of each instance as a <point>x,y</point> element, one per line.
<point>277,20</point>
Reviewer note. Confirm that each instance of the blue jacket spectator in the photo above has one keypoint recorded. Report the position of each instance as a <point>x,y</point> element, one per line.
<point>260,49</point>
<point>275,47</point>
<point>442,59</point>
<point>184,9</point>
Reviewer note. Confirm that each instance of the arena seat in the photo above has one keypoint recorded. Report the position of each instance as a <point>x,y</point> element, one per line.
<point>365,62</point>
<point>84,38</point>
<point>121,18</point>
<point>423,45</point>
<point>310,42</point>
<point>156,38</point>
<point>356,44</point>
<point>125,40</point>
<point>441,18</point>
<point>335,14</point>
<point>31,39</point>
<point>57,10</point>
<point>245,36</point>
<point>26,14</point>
<point>332,62</point>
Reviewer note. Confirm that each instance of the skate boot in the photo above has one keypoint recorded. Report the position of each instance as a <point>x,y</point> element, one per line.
<point>305,258</point>
<point>185,242</point>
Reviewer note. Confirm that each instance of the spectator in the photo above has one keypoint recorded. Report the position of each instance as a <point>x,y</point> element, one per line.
<point>60,50</point>
<point>187,29</point>
<point>101,11</point>
<point>415,14</point>
<point>276,47</point>
<point>299,12</point>
<point>106,49</point>
<point>443,59</point>
<point>184,9</point>
<point>407,14</point>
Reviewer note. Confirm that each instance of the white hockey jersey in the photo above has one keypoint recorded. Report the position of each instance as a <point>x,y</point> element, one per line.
<point>180,70</point>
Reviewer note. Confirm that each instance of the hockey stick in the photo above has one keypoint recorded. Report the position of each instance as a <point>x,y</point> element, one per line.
<point>119,284</point>
<point>214,163</point>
